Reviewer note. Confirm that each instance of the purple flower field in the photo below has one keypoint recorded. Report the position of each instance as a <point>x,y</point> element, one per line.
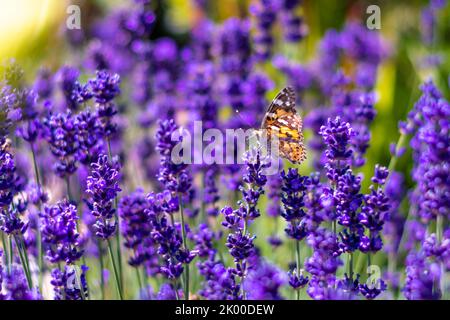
<point>109,190</point>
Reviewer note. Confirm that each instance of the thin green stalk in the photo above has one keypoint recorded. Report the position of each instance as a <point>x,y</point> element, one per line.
<point>202,203</point>
<point>394,159</point>
<point>24,264</point>
<point>242,287</point>
<point>36,170</point>
<point>144,272</point>
<point>439,229</point>
<point>350,265</point>
<point>139,280</point>
<point>183,233</point>
<point>10,252</point>
<point>118,248</point>
<point>176,289</point>
<point>38,229</point>
<point>116,274</point>
<point>138,277</point>
<point>69,194</point>
<point>297,254</point>
<point>5,249</point>
<point>25,253</point>
<point>102,267</point>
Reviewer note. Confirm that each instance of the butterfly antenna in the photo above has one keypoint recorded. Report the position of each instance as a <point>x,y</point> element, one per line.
<point>243,120</point>
<point>256,131</point>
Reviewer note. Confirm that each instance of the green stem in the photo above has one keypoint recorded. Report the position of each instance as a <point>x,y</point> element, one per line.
<point>69,194</point>
<point>23,262</point>
<point>183,233</point>
<point>439,228</point>
<point>202,203</point>
<point>102,267</point>
<point>25,254</point>
<point>350,265</point>
<point>242,287</point>
<point>394,159</point>
<point>118,248</point>
<point>36,170</point>
<point>439,224</point>
<point>10,240</point>
<point>176,290</point>
<point>5,248</point>
<point>116,274</point>
<point>144,272</point>
<point>138,277</point>
<point>38,229</point>
<point>297,254</point>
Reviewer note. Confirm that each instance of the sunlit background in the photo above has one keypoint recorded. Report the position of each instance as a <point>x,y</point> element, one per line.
<point>34,33</point>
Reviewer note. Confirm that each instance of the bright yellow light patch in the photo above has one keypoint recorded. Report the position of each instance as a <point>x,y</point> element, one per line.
<point>22,22</point>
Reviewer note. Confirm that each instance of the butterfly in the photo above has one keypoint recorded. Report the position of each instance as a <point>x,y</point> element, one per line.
<point>281,120</point>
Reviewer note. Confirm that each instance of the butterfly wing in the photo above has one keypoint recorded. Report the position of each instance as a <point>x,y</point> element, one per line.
<point>284,100</point>
<point>283,121</point>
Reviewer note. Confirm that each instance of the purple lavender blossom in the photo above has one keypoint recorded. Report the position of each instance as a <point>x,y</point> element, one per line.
<point>167,292</point>
<point>136,227</point>
<point>429,126</point>
<point>422,278</point>
<point>211,192</point>
<point>11,219</point>
<point>68,79</point>
<point>167,235</point>
<point>294,28</point>
<point>88,136</point>
<point>102,187</point>
<point>322,265</point>
<point>62,135</point>
<point>15,284</point>
<point>174,177</point>
<point>374,213</point>
<point>204,239</point>
<point>264,282</point>
<point>220,282</point>
<point>7,175</point>
<point>44,84</point>
<point>9,109</point>
<point>240,241</point>
<point>66,286</point>
<point>265,13</point>
<point>105,86</point>
<point>294,191</point>
<point>60,234</point>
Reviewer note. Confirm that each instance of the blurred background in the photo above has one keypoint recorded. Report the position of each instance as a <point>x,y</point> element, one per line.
<point>35,34</point>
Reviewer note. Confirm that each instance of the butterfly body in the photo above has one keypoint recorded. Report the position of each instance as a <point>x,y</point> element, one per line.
<point>282,121</point>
